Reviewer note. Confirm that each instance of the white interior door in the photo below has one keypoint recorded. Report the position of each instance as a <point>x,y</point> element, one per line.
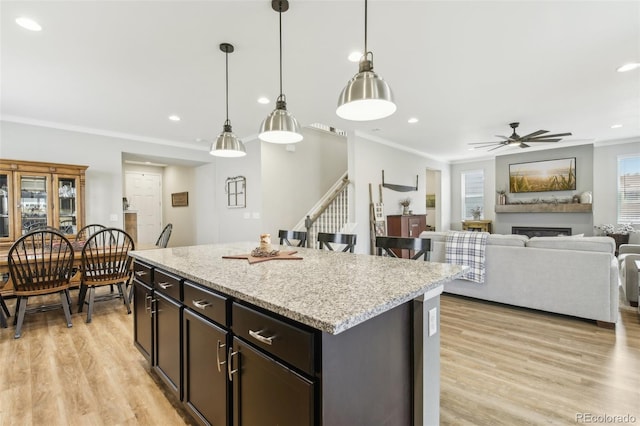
<point>144,193</point>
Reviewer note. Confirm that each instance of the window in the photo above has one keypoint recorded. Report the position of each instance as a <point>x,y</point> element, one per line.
<point>472,192</point>
<point>629,189</point>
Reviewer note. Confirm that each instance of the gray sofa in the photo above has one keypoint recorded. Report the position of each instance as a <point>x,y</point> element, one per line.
<point>575,276</point>
<point>627,255</point>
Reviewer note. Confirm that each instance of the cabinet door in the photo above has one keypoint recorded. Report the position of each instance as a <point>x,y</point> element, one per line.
<point>266,392</point>
<point>167,342</point>
<point>206,389</point>
<point>33,202</point>
<point>143,319</point>
<point>66,208</point>
<point>6,206</point>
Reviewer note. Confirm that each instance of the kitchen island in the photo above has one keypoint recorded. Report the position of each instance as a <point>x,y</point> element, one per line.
<point>334,338</point>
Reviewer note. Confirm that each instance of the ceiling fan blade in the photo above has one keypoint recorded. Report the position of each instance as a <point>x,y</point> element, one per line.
<point>524,145</point>
<point>484,143</point>
<point>503,137</point>
<point>558,135</point>
<point>534,134</point>
<point>542,140</point>
<point>499,146</point>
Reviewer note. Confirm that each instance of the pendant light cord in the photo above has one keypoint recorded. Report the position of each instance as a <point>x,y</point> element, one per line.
<point>280,16</point>
<point>226,56</point>
<point>365,28</point>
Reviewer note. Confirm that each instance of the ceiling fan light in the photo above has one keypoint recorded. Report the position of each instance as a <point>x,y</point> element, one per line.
<point>280,127</point>
<point>366,97</point>
<point>227,145</point>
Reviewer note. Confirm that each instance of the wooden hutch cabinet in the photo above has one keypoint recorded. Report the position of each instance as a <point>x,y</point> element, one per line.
<point>406,226</point>
<point>34,194</point>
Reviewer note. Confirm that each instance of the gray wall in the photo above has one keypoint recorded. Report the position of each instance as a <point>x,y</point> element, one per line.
<point>581,223</point>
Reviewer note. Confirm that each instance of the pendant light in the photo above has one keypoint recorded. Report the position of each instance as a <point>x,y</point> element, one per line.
<point>227,144</point>
<point>280,126</point>
<point>366,96</point>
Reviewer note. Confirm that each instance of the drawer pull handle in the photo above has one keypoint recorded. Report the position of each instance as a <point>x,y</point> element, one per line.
<point>141,273</point>
<point>260,338</point>
<point>201,304</point>
<point>165,285</point>
<point>229,366</point>
<point>218,362</point>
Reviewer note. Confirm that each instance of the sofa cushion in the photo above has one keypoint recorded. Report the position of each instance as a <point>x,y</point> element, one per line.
<point>434,235</point>
<point>597,244</point>
<point>507,240</point>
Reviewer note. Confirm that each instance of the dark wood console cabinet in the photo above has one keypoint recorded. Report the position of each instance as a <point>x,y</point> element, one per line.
<point>406,226</point>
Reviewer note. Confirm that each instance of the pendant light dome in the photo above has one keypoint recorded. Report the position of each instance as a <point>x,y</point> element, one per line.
<point>366,96</point>
<point>227,144</point>
<point>280,126</point>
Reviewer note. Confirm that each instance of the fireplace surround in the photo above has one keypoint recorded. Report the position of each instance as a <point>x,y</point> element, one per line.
<point>540,231</point>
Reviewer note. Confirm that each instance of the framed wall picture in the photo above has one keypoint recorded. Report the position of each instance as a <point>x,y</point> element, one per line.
<point>235,187</point>
<point>180,199</point>
<point>543,176</point>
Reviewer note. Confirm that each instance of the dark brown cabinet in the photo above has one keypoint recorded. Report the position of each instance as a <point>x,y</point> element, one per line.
<point>406,226</point>
<point>167,341</point>
<point>143,318</point>
<point>266,392</point>
<point>206,387</point>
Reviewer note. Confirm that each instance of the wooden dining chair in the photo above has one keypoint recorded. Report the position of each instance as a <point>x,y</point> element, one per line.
<point>105,261</point>
<point>88,230</point>
<point>287,236</point>
<point>163,239</point>
<point>325,239</point>
<point>40,263</point>
<point>420,246</point>
<point>4,310</point>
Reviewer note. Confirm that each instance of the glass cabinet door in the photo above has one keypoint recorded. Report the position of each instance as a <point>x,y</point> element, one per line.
<point>65,189</point>
<point>5,206</point>
<point>33,202</point>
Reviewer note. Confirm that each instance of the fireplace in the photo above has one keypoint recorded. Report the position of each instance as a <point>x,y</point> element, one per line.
<point>538,231</point>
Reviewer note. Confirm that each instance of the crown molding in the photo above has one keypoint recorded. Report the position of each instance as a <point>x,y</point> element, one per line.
<point>397,146</point>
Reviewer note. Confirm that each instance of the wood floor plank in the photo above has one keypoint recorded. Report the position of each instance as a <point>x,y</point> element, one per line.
<point>499,366</point>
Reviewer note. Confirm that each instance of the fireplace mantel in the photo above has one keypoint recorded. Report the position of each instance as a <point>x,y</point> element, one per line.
<point>544,208</point>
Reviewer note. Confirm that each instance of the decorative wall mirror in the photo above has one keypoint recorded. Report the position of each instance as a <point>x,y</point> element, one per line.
<point>235,187</point>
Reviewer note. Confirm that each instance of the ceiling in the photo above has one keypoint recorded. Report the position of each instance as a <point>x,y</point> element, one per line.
<point>464,69</point>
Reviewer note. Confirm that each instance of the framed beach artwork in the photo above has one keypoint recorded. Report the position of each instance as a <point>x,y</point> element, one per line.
<point>543,176</point>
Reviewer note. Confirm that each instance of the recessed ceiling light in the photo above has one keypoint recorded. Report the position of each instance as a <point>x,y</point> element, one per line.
<point>355,56</point>
<point>628,67</point>
<point>28,24</point>
<point>174,118</point>
<point>616,126</point>
<point>263,100</point>
<point>412,120</point>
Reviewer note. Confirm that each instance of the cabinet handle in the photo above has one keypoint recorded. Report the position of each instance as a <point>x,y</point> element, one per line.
<point>165,285</point>
<point>156,311</point>
<point>230,372</point>
<point>200,304</point>
<point>218,362</point>
<point>260,338</point>
<point>141,273</point>
<point>147,307</point>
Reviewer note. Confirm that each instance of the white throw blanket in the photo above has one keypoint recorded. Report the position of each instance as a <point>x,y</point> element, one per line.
<point>467,248</point>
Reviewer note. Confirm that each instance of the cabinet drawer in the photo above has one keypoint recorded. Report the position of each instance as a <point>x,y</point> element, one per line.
<point>286,341</point>
<point>205,302</point>
<point>167,284</point>
<point>143,272</point>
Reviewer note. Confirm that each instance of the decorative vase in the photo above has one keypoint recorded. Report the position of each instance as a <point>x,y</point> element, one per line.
<point>586,197</point>
<point>502,199</point>
<point>405,210</point>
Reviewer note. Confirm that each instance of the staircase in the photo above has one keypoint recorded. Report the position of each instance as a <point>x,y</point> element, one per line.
<point>329,214</point>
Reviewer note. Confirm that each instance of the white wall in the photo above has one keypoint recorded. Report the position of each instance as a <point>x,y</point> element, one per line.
<point>605,185</point>
<point>368,157</point>
<point>239,224</point>
<point>293,182</point>
<point>183,219</point>
<point>103,155</point>
<point>204,202</point>
<point>488,211</point>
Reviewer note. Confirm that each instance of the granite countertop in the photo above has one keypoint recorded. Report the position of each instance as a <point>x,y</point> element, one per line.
<point>329,291</point>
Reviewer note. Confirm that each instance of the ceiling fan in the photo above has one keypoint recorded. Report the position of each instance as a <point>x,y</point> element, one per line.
<point>521,141</point>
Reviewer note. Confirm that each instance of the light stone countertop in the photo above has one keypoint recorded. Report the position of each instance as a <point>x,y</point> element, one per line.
<point>329,291</point>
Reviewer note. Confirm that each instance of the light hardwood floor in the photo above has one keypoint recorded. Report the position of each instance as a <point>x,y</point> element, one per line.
<point>499,366</point>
